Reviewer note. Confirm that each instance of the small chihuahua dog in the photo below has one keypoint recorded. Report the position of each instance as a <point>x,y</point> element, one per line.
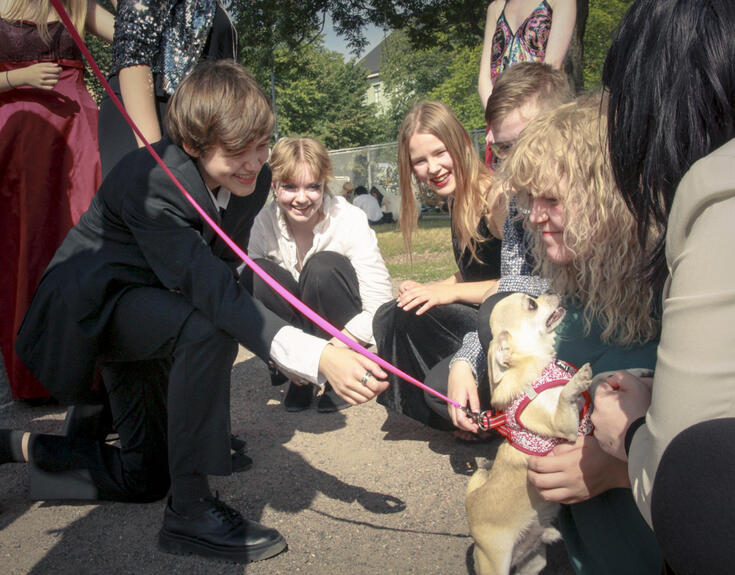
<point>540,398</point>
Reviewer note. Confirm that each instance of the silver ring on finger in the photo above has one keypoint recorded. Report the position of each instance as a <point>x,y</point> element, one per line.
<point>365,378</point>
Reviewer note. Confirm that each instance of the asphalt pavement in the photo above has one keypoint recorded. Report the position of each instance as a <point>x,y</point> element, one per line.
<point>359,491</point>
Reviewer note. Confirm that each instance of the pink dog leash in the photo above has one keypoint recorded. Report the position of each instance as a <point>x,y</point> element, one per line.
<point>294,301</point>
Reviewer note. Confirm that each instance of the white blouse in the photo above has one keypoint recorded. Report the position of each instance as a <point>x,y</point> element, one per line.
<point>344,230</point>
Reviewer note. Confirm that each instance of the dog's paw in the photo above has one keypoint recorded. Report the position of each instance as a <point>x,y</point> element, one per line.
<point>550,535</point>
<point>584,375</point>
<point>579,383</point>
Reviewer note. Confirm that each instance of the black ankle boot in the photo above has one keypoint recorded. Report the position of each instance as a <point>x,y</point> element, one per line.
<point>219,532</point>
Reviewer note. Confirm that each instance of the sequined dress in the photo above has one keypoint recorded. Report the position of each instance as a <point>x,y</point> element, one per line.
<point>49,171</point>
<point>171,37</point>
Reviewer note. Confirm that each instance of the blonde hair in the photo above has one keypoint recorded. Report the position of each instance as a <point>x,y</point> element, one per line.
<point>39,12</point>
<point>218,103</point>
<point>569,145</point>
<point>290,154</point>
<point>472,178</point>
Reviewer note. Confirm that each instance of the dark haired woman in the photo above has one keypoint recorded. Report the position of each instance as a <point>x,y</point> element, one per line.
<point>672,123</point>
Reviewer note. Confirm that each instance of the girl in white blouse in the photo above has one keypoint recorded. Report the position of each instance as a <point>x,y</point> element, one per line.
<point>320,248</point>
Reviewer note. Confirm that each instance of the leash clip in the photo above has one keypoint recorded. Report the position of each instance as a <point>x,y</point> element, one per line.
<point>481,418</point>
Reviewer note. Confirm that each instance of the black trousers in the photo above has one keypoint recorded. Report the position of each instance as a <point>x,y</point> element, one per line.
<point>327,284</point>
<point>116,138</point>
<point>166,369</point>
<point>415,344</point>
<point>693,500</point>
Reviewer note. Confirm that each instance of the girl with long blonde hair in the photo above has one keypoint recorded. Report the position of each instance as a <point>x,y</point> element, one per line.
<point>427,321</point>
<point>49,159</point>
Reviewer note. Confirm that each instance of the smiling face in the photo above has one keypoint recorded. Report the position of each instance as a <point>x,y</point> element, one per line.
<point>236,171</point>
<point>432,164</point>
<point>549,215</point>
<point>300,198</point>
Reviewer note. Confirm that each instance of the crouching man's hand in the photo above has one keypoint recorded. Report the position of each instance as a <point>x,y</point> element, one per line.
<point>346,370</point>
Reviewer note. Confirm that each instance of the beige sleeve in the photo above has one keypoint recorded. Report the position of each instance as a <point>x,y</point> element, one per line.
<point>695,369</point>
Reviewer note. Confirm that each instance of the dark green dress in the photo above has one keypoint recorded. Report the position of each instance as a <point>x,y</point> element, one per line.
<point>606,534</point>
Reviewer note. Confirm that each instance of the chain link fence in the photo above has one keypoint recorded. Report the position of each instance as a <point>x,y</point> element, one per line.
<point>378,166</point>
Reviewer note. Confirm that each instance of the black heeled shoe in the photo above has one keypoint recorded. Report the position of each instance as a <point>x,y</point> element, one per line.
<point>298,397</point>
<point>330,402</point>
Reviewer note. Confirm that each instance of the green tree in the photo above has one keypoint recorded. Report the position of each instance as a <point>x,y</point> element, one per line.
<point>605,15</point>
<point>102,53</point>
<point>444,72</point>
<point>318,94</point>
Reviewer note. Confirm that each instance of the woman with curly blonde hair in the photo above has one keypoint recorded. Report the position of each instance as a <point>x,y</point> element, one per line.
<point>427,321</point>
<point>563,164</point>
<point>582,237</point>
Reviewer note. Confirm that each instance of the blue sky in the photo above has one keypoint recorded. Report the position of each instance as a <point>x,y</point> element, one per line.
<point>373,34</point>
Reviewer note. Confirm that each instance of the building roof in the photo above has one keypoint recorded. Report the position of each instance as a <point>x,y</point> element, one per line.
<point>371,61</point>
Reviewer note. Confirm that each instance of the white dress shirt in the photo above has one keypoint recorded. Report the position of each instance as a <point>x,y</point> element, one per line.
<point>291,348</point>
<point>343,230</point>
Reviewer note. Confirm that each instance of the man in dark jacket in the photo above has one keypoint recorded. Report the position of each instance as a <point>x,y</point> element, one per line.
<point>142,300</point>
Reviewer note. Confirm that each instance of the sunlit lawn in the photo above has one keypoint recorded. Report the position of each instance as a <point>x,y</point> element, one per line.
<point>432,251</point>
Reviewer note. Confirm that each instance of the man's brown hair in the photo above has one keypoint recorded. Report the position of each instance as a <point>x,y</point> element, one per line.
<point>218,103</point>
<point>525,83</point>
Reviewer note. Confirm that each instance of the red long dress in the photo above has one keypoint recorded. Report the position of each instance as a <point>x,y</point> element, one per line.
<point>49,171</point>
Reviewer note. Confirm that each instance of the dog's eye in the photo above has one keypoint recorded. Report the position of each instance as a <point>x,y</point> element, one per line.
<point>532,305</point>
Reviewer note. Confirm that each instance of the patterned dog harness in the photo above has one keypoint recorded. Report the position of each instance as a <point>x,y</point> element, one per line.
<point>508,422</point>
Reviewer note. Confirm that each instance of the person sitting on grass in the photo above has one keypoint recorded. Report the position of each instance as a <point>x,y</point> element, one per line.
<point>143,293</point>
<point>368,204</point>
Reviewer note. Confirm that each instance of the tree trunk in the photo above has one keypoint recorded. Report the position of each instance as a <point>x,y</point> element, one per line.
<point>574,65</point>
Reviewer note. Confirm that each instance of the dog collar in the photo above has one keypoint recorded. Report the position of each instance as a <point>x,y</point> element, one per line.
<point>508,422</point>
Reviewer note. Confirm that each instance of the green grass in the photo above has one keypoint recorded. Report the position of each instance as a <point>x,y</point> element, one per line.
<point>432,251</point>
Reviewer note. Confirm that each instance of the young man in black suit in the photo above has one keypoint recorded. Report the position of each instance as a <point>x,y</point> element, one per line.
<point>144,294</point>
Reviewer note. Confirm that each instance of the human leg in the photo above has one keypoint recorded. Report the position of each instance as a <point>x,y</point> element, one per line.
<point>298,397</point>
<point>197,424</point>
<point>415,344</point>
<point>692,502</point>
<point>328,285</point>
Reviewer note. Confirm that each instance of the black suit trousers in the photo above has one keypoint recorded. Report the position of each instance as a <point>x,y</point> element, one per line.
<point>166,369</point>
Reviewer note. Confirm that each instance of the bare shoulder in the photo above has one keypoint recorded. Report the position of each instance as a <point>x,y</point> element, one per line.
<point>555,4</point>
<point>494,9</point>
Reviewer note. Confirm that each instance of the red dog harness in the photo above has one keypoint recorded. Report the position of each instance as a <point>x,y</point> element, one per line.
<point>508,422</point>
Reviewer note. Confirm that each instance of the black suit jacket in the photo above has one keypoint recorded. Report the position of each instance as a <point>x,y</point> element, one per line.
<point>141,231</point>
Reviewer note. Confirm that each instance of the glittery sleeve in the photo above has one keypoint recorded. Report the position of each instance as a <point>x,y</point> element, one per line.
<point>471,352</point>
<point>516,261</point>
<point>138,28</point>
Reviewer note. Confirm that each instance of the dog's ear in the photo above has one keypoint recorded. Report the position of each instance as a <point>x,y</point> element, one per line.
<point>500,352</point>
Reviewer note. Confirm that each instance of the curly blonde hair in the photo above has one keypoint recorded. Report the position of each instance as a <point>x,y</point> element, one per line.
<point>472,178</point>
<point>563,154</point>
